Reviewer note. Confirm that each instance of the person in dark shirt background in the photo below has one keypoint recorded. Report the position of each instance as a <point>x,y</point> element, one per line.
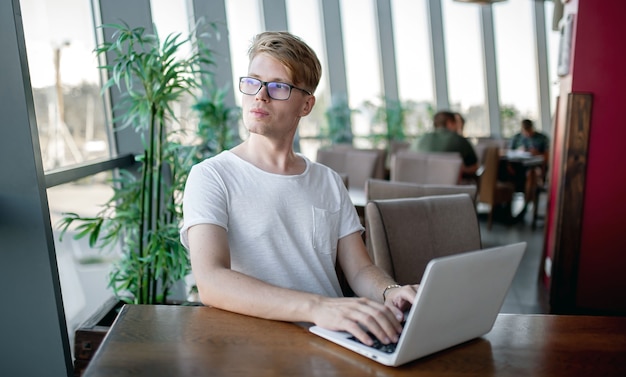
<point>445,138</point>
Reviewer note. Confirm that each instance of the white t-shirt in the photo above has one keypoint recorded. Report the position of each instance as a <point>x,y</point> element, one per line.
<point>282,229</point>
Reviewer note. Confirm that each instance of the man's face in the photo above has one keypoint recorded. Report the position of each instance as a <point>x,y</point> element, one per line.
<point>527,133</point>
<point>266,116</point>
<point>458,123</point>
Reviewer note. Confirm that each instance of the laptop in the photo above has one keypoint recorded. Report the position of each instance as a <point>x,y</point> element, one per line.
<point>458,299</point>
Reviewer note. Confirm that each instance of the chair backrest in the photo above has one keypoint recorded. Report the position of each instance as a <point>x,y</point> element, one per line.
<point>430,168</point>
<point>334,159</point>
<point>396,146</point>
<point>489,175</point>
<point>405,234</point>
<point>358,164</point>
<point>361,165</point>
<point>376,189</point>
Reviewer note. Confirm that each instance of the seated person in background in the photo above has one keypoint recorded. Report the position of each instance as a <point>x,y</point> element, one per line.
<point>265,226</point>
<point>537,144</point>
<point>445,138</point>
<point>530,140</point>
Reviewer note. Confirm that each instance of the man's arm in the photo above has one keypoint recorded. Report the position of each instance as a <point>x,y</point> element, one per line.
<point>368,280</point>
<point>470,159</point>
<point>469,170</point>
<point>514,142</point>
<point>221,287</point>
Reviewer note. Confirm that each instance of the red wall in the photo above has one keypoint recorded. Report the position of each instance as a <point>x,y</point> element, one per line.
<point>599,67</point>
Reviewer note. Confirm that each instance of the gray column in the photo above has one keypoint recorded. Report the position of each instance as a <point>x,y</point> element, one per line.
<point>491,72</point>
<point>334,49</point>
<point>440,75</point>
<point>333,37</point>
<point>387,49</point>
<point>335,56</point>
<point>34,339</point>
<point>275,19</point>
<point>543,75</point>
<point>215,11</point>
<point>275,15</point>
<point>134,13</point>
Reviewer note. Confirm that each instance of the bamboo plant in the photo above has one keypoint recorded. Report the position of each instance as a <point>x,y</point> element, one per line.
<point>144,213</point>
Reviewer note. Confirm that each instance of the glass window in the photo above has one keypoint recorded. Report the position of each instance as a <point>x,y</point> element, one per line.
<point>170,17</point>
<point>363,68</point>
<point>83,271</point>
<point>304,20</point>
<point>414,62</point>
<point>465,64</point>
<point>70,111</point>
<point>60,40</point>
<point>517,64</point>
<point>244,22</point>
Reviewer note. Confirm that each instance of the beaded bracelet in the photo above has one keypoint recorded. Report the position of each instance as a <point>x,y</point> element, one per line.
<point>388,288</point>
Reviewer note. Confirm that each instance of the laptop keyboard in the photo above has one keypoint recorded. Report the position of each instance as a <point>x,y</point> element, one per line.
<point>387,348</point>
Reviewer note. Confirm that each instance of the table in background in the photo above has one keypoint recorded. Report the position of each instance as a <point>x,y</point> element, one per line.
<point>522,163</point>
<point>359,199</point>
<point>153,340</point>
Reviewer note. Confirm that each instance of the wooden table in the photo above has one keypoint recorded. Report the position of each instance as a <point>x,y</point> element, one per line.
<point>181,341</point>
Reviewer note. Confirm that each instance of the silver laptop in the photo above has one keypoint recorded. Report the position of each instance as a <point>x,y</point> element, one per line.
<point>458,299</point>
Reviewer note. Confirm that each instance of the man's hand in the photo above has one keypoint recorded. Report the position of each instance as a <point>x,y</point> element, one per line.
<point>357,316</point>
<point>401,298</point>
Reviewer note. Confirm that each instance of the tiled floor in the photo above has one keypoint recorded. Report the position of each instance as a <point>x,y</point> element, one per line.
<point>526,294</point>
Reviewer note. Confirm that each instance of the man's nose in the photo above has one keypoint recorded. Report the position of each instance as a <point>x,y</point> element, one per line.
<point>262,94</point>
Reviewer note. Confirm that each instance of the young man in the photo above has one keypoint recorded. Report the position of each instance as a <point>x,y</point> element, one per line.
<point>265,226</point>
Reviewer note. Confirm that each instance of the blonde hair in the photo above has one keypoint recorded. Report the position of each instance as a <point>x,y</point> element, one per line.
<point>299,59</point>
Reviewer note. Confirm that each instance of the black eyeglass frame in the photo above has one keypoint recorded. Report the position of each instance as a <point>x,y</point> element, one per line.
<point>265,83</point>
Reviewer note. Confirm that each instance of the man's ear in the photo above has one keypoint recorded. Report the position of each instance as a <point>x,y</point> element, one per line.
<point>308,106</point>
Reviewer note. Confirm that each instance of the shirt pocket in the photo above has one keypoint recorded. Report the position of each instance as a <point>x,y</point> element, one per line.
<point>325,231</point>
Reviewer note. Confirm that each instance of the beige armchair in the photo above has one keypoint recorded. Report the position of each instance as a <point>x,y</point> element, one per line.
<point>491,191</point>
<point>430,168</point>
<point>358,164</point>
<point>405,234</point>
<point>376,189</point>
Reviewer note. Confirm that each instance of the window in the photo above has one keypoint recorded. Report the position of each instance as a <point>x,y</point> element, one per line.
<point>516,59</point>
<point>363,69</point>
<point>244,22</point>
<point>414,62</point>
<point>304,20</point>
<point>170,17</point>
<point>82,270</point>
<point>60,40</point>
<point>465,64</point>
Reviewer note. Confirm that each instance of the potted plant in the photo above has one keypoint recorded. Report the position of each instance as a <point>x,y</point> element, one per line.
<point>144,213</point>
<point>388,121</point>
<point>217,121</point>
<point>338,129</point>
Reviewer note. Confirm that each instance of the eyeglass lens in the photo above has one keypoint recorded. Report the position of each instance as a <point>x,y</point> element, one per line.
<point>276,90</point>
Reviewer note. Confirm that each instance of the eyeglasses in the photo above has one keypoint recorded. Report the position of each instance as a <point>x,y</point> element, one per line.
<point>276,90</point>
